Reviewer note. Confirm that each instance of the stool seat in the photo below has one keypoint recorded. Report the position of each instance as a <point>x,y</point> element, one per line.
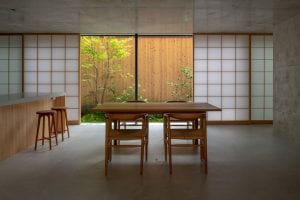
<point>59,108</point>
<point>62,112</point>
<point>45,112</point>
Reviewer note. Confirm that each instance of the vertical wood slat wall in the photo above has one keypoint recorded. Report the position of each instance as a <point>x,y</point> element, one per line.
<point>51,64</point>
<point>224,75</point>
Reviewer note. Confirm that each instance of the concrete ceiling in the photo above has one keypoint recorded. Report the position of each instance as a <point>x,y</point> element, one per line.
<point>144,16</point>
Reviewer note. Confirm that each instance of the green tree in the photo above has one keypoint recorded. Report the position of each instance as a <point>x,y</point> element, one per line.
<point>100,60</point>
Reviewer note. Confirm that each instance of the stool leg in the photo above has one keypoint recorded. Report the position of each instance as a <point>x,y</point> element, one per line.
<point>53,125</point>
<point>43,130</point>
<point>66,118</point>
<point>37,132</point>
<point>49,128</point>
<point>61,124</point>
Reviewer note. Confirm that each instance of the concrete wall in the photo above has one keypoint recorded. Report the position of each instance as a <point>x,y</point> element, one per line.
<point>287,78</point>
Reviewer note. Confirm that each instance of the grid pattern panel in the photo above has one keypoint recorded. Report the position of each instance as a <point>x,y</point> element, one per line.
<point>51,64</point>
<point>221,74</point>
<point>262,77</point>
<point>10,64</point>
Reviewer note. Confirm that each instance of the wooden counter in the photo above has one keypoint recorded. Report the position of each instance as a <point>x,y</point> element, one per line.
<point>18,119</point>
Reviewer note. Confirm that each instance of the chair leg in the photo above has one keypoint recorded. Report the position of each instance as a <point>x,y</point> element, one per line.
<point>37,133</point>
<point>170,155</point>
<point>165,138</point>
<point>106,156</point>
<point>49,128</point>
<point>142,155</point>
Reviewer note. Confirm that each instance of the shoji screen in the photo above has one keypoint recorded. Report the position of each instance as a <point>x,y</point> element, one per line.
<point>51,64</point>
<point>10,64</point>
<point>262,77</point>
<point>221,74</point>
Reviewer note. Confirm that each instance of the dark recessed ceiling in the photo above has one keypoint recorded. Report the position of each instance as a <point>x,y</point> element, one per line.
<point>144,16</point>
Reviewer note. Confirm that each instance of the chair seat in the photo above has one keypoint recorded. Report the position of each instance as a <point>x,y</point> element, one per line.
<point>126,134</point>
<point>185,134</point>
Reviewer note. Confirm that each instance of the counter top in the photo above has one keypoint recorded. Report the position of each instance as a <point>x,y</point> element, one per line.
<point>12,99</point>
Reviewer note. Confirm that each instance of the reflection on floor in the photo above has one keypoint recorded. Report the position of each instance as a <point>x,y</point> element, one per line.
<point>245,162</point>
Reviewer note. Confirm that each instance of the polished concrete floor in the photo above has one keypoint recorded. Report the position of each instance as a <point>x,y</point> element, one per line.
<point>245,162</point>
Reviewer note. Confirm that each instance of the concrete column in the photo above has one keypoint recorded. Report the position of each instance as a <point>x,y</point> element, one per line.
<point>287,78</point>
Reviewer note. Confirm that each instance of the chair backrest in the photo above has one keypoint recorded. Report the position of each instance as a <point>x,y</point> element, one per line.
<point>187,116</point>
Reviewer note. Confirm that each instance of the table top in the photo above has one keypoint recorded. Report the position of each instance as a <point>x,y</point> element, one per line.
<point>155,108</point>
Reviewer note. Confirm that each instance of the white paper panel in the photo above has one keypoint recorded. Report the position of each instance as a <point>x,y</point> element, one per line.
<point>72,102</point>
<point>242,102</point>
<point>214,116</point>
<point>257,65</point>
<point>228,41</point>
<point>242,53</point>
<point>228,53</point>
<point>30,53</point>
<point>58,65</point>
<point>269,41</point>
<point>30,41</point>
<point>228,114</point>
<point>200,99</point>
<point>257,102</point>
<point>44,88</point>
<point>257,53</point>
<point>269,90</point>
<point>268,53</point>
<point>242,65</point>
<point>257,77</point>
<point>71,77</point>
<point>15,65</point>
<point>3,77</point>
<point>200,90</point>
<point>242,90</point>
<point>44,77</point>
<point>228,102</point>
<point>228,77</point>
<point>44,40</point>
<point>15,88</point>
<point>44,53</point>
<point>257,41</point>
<point>214,65</point>
<point>30,65</point>
<point>4,40</point>
<point>58,88</point>
<point>257,114</point>
<point>200,40</point>
<point>200,53</point>
<point>269,102</point>
<point>58,78</point>
<point>44,65</point>
<point>3,89</point>
<point>30,88</point>
<point>269,65</point>
<point>216,101</point>
<point>242,114</point>
<point>214,77</point>
<point>257,90</point>
<point>58,53</point>
<point>58,41</point>
<point>214,53</point>
<point>268,114</point>
<point>3,53</point>
<point>228,90</point>
<point>15,53</point>
<point>72,65</point>
<point>15,77</point>
<point>72,114</point>
<point>200,78</point>
<point>214,41</point>
<point>72,41</point>
<point>72,90</point>
<point>72,53</point>
<point>214,90</point>
<point>15,41</point>
<point>228,65</point>
<point>242,41</point>
<point>199,65</point>
<point>242,77</point>
<point>269,77</point>
<point>30,77</point>
<point>3,65</point>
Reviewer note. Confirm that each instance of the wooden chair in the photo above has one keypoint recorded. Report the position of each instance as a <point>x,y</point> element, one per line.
<point>115,133</point>
<point>197,132</point>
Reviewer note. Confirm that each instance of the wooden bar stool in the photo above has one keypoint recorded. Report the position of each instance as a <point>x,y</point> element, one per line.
<point>51,124</point>
<point>62,111</point>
